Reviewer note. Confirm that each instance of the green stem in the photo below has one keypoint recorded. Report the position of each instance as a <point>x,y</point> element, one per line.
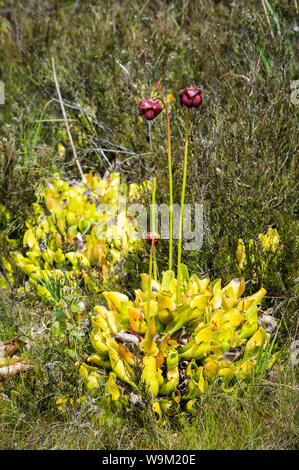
<point>153,226</point>
<point>170,181</point>
<point>149,289</point>
<point>182,206</point>
<point>155,263</point>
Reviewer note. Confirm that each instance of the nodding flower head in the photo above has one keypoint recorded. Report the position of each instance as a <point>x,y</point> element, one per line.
<point>190,97</point>
<point>150,236</point>
<point>149,109</point>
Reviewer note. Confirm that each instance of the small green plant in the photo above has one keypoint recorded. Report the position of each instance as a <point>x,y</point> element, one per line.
<point>269,242</point>
<point>67,320</point>
<point>7,279</point>
<point>265,358</point>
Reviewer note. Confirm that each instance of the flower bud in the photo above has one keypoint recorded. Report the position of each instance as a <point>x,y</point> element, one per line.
<point>190,97</point>
<point>149,109</point>
<point>153,236</point>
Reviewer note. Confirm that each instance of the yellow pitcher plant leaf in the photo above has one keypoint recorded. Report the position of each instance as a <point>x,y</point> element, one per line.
<point>114,300</point>
<point>99,360</point>
<point>148,344</point>
<point>117,363</point>
<point>149,375</point>
<point>137,321</point>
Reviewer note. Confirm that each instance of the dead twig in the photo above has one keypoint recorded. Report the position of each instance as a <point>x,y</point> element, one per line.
<point>66,121</point>
<point>268,19</point>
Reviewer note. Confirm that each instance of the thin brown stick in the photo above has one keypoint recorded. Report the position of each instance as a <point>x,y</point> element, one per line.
<point>268,19</point>
<point>66,121</point>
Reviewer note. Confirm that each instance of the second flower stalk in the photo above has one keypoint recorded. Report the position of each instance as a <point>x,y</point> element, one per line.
<point>191,98</point>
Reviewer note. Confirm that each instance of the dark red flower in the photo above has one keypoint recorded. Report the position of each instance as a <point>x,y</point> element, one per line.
<point>153,236</point>
<point>149,109</point>
<point>190,97</point>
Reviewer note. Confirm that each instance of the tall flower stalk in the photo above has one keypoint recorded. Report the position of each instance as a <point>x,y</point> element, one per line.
<point>182,204</point>
<point>191,98</point>
<point>153,226</point>
<point>170,181</point>
<point>149,109</point>
<point>152,238</point>
<point>149,291</point>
